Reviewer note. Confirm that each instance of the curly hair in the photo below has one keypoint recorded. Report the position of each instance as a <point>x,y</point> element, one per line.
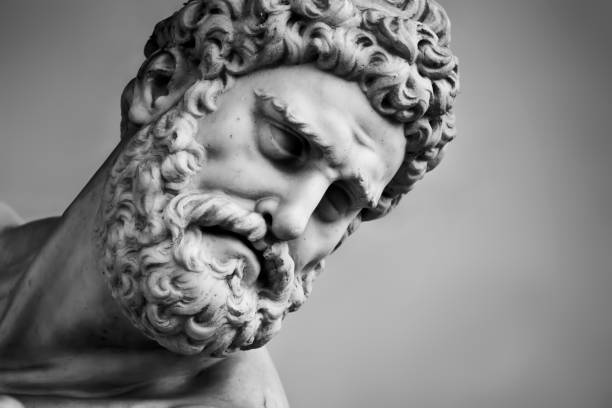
<point>396,50</point>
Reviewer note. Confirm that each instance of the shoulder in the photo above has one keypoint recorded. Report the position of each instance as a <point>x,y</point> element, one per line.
<point>19,242</point>
<point>8,217</point>
<point>247,379</point>
<point>8,402</point>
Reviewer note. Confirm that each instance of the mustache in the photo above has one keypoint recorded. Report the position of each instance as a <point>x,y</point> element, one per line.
<point>194,302</point>
<point>215,209</point>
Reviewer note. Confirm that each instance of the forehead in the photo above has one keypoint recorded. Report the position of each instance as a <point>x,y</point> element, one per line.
<point>332,106</point>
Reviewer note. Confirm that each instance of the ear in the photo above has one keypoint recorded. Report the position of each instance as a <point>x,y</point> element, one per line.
<point>160,83</point>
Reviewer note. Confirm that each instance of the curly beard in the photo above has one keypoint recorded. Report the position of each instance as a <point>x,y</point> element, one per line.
<point>154,235</point>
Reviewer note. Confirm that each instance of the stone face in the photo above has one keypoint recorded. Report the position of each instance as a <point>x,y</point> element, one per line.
<point>255,138</point>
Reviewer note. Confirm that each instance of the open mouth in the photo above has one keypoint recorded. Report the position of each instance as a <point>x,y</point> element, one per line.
<point>244,235</point>
<point>275,268</point>
<point>216,230</point>
<point>275,272</point>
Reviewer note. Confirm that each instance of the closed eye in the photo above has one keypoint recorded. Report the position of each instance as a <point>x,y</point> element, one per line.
<point>283,145</point>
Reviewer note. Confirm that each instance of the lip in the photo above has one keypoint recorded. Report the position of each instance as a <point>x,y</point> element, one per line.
<point>237,245</point>
<point>272,267</point>
<point>271,260</point>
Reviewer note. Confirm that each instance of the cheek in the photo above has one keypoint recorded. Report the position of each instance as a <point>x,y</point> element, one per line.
<point>231,155</point>
<point>318,241</point>
<point>228,140</point>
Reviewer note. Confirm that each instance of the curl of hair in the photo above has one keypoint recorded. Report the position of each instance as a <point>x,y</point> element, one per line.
<point>159,160</point>
<point>396,50</point>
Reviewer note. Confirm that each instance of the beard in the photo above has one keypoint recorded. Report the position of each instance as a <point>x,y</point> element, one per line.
<point>156,238</point>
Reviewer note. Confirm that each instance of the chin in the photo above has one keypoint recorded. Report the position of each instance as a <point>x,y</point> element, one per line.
<point>213,285</point>
<point>191,269</point>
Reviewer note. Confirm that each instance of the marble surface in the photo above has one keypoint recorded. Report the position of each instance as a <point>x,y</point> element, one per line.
<point>251,148</point>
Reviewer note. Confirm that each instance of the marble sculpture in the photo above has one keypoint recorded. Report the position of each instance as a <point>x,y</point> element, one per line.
<point>256,137</point>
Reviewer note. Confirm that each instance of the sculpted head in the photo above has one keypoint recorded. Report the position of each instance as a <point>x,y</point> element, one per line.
<point>259,134</point>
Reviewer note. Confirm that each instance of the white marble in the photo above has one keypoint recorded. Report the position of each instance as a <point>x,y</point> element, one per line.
<point>255,138</point>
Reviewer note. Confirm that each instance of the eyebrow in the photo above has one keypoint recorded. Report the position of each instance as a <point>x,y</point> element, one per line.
<point>296,124</point>
<point>291,120</point>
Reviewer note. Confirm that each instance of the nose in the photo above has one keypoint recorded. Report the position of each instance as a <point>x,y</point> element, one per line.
<point>289,212</point>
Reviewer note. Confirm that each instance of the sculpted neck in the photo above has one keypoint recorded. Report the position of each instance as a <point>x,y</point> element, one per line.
<point>60,323</point>
<point>60,287</point>
<point>62,334</point>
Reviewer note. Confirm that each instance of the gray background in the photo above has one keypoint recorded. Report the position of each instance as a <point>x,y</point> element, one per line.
<point>487,288</point>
